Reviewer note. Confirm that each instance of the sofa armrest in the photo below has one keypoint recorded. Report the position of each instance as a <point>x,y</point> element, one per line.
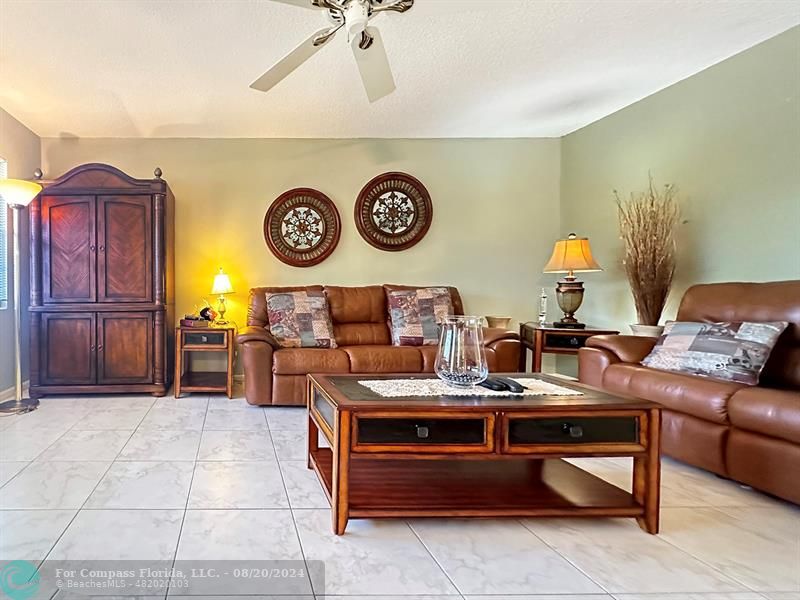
<point>502,349</point>
<point>495,334</point>
<point>592,365</point>
<point>256,357</point>
<point>257,334</point>
<point>626,348</point>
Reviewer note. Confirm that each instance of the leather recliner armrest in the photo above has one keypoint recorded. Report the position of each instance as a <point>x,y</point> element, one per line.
<point>495,334</point>
<point>627,348</point>
<point>257,334</point>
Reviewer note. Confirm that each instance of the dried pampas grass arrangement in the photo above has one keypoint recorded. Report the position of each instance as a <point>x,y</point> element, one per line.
<point>647,224</point>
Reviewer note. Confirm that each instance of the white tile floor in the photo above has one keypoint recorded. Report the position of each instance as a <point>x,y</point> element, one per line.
<point>202,477</point>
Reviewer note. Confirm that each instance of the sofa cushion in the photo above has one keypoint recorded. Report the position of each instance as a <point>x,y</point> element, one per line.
<point>257,304</point>
<point>358,314</point>
<point>775,413</point>
<point>760,302</point>
<point>689,394</point>
<point>730,351</point>
<point>416,314</point>
<point>383,359</point>
<point>300,319</point>
<point>428,354</point>
<point>455,297</point>
<point>366,304</point>
<point>301,361</point>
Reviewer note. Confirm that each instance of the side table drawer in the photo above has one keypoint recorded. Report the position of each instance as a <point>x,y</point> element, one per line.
<point>558,341</point>
<point>425,433</point>
<point>579,434</point>
<point>204,339</point>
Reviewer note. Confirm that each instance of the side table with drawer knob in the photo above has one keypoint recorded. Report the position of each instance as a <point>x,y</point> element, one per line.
<point>541,339</point>
<point>212,339</point>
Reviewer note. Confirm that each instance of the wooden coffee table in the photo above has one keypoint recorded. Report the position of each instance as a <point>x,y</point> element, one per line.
<point>450,456</point>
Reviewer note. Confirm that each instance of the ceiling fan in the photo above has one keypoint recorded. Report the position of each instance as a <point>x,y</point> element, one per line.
<point>366,42</point>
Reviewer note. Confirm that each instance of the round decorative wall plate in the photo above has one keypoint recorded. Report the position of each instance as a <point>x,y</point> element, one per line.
<point>393,211</point>
<point>302,227</point>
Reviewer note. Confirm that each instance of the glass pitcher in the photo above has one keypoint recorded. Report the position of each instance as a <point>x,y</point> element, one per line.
<point>461,359</point>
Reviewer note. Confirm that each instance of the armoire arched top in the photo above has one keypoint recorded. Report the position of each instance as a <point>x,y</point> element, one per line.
<point>92,176</point>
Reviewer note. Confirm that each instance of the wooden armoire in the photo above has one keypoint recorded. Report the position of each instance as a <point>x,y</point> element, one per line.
<point>102,284</point>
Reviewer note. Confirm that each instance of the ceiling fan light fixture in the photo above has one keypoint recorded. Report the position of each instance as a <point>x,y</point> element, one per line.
<point>356,16</point>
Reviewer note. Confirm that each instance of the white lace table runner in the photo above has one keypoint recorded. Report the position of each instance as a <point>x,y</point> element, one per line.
<point>405,388</point>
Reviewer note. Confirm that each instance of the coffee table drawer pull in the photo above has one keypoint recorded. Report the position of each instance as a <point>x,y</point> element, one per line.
<point>569,430</point>
<point>389,431</point>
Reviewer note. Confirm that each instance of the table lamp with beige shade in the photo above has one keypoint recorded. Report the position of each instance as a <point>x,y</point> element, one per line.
<point>571,255</point>
<point>18,194</point>
<point>222,285</point>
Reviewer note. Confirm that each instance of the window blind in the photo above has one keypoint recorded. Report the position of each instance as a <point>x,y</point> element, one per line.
<point>3,241</point>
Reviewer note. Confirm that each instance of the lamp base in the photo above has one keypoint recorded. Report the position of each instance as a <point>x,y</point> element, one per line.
<point>569,325</point>
<point>569,294</point>
<point>25,405</point>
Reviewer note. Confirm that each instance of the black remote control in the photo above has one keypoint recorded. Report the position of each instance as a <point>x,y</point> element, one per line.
<point>510,384</point>
<point>490,383</point>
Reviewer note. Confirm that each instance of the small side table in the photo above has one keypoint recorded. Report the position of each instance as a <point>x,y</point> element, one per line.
<point>206,339</point>
<point>555,340</point>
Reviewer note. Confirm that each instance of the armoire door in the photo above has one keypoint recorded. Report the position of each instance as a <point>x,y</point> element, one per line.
<point>124,249</point>
<point>68,252</point>
<point>68,349</point>
<point>124,348</point>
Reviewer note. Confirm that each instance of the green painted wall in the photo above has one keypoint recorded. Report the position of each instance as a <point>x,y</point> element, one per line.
<point>729,138</point>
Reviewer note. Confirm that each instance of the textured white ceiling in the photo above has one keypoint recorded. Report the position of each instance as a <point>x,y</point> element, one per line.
<point>464,68</point>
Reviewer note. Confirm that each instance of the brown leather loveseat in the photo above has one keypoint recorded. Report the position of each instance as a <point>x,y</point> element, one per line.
<point>747,433</point>
<point>275,375</point>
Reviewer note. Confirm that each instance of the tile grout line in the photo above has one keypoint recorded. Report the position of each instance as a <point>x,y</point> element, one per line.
<point>77,512</point>
<point>568,561</point>
<point>45,449</point>
<point>188,493</point>
<point>289,502</point>
<point>707,564</point>
<point>438,564</point>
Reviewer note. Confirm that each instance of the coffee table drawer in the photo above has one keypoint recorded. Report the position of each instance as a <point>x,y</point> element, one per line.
<point>579,433</point>
<point>424,433</point>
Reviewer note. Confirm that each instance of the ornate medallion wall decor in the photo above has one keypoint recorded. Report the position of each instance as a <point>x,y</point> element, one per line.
<point>302,227</point>
<point>393,211</point>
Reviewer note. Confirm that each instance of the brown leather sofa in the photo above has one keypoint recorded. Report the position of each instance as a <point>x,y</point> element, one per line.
<point>750,434</point>
<point>275,375</point>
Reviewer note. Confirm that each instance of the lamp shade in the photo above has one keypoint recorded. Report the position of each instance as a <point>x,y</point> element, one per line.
<point>18,192</point>
<point>222,284</point>
<point>572,254</point>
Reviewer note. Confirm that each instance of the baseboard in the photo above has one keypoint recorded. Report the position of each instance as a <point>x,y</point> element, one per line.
<point>8,394</point>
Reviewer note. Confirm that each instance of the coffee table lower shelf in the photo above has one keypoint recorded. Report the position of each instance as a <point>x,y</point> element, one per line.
<point>474,488</point>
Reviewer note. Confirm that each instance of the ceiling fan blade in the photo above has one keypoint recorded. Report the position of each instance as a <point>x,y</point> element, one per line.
<point>300,3</point>
<point>294,59</point>
<point>315,4</point>
<point>400,6</point>
<point>373,64</point>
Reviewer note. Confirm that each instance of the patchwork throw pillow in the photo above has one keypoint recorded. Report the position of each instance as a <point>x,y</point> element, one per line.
<point>728,351</point>
<point>300,319</point>
<point>416,314</point>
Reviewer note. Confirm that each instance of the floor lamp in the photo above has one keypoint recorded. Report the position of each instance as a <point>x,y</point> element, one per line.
<point>18,194</point>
